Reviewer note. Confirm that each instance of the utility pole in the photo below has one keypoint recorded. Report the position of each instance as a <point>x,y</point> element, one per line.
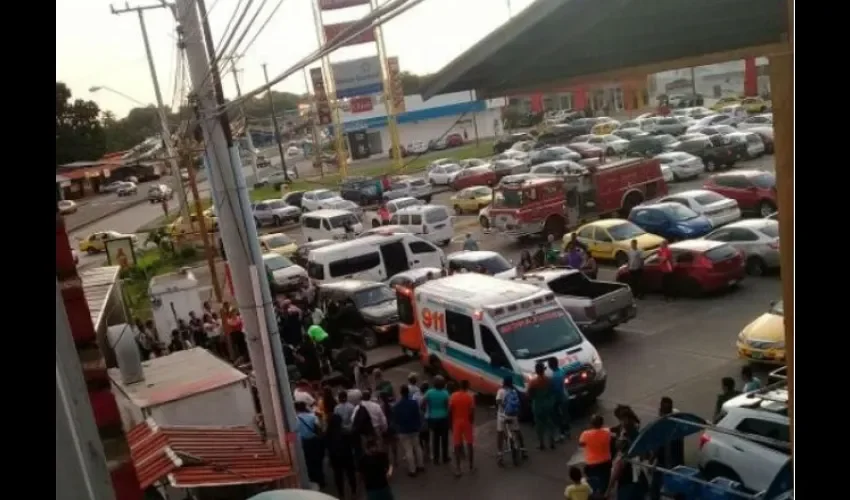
<point>241,243</point>
<point>248,137</point>
<point>276,128</point>
<point>693,82</point>
<point>160,106</point>
<point>317,142</point>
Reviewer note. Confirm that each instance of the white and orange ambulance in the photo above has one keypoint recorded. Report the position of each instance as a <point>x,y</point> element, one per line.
<point>482,329</point>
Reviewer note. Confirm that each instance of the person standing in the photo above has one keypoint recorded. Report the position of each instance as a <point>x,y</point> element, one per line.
<point>525,262</point>
<point>553,253</point>
<point>728,391</point>
<point>341,455</point>
<point>751,382</point>
<point>469,243</point>
<point>560,408</point>
<point>508,406</point>
<point>542,402</point>
<point>310,433</point>
<point>628,480</point>
<point>596,443</point>
<point>376,471</point>
<point>383,387</point>
<point>635,263</point>
<point>462,414</point>
<point>671,454</point>
<point>665,261</point>
<point>408,422</point>
<point>436,402</point>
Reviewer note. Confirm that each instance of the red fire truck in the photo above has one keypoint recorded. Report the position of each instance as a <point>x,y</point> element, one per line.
<point>552,205</point>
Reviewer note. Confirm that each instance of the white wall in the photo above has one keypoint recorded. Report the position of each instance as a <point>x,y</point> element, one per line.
<point>433,129</point>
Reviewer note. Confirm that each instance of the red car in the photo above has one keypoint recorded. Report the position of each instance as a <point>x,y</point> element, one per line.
<point>700,266</point>
<point>454,140</point>
<point>483,175</point>
<point>586,150</point>
<point>754,190</point>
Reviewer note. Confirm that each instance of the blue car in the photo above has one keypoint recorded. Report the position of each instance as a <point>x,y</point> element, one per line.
<point>671,221</point>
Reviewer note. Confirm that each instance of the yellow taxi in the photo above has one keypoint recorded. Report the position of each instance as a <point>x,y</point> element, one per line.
<point>610,239</point>
<point>755,105</point>
<point>763,340</point>
<point>278,243</point>
<point>605,127</point>
<point>181,226</point>
<point>96,242</point>
<point>472,199</point>
<point>725,101</point>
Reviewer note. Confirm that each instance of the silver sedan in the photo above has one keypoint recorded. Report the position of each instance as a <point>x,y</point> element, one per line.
<point>610,143</point>
<point>757,239</point>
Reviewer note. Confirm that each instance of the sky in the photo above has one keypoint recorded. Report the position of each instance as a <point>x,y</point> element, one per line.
<point>96,48</point>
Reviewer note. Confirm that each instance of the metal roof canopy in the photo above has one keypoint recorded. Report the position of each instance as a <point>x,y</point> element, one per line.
<point>566,42</point>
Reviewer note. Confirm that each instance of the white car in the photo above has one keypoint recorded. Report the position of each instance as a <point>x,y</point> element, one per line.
<point>682,165</point>
<point>716,207</point>
<point>610,143</point>
<point>440,162</point>
<point>417,148</point>
<point>559,168</point>
<point>388,229</point>
<point>67,207</point>
<point>484,218</point>
<point>522,146</point>
<point>667,174</point>
<point>472,162</point>
<point>278,178</point>
<point>755,146</point>
<point>443,174</point>
<point>510,154</point>
<point>474,260</point>
<point>757,121</point>
<point>349,205</point>
<point>710,121</point>
<point>754,463</point>
<point>283,272</point>
<point>318,199</point>
<point>293,151</point>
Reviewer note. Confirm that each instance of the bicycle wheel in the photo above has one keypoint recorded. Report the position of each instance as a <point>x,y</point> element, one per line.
<point>515,454</point>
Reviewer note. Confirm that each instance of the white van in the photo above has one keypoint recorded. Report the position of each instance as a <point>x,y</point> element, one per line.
<point>328,224</point>
<point>477,324</point>
<point>429,222</point>
<point>375,258</point>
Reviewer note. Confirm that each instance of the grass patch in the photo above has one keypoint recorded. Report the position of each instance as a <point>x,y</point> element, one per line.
<point>149,263</point>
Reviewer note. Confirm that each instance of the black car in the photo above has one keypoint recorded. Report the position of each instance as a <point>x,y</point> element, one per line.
<point>714,151</point>
<point>361,190</point>
<point>300,255</point>
<point>293,198</point>
<point>556,153</point>
<point>650,145</point>
<point>367,311</point>
<point>505,143</point>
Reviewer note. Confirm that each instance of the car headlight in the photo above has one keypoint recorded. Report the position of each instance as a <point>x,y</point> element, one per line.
<point>742,338</point>
<point>596,363</point>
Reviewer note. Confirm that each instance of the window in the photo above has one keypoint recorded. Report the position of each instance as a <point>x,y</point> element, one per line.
<point>394,220</point>
<point>404,219</point>
<point>732,181</point>
<point>708,198</point>
<point>741,234</point>
<point>765,428</point>
<point>544,170</point>
<point>397,187</point>
<point>721,253</point>
<point>602,235</point>
<point>415,219</point>
<point>436,215</point>
<point>490,345</point>
<point>405,309</point>
<point>421,247</point>
<point>722,235</point>
<point>311,222</point>
<point>315,270</point>
<point>459,329</point>
<point>586,232</point>
<point>326,225</point>
<point>764,180</point>
<point>353,265</point>
<point>260,207</point>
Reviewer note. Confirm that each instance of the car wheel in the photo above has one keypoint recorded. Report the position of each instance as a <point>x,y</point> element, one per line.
<point>755,266</point>
<point>610,152</point>
<point>433,183</point>
<point>485,223</point>
<point>376,223</point>
<point>766,208</point>
<point>709,165</point>
<point>276,220</point>
<point>458,210</point>
<point>621,259</point>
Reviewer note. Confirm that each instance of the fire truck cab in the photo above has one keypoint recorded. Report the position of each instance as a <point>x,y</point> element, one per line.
<point>552,205</point>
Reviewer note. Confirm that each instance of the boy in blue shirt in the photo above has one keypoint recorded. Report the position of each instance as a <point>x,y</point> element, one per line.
<point>561,407</point>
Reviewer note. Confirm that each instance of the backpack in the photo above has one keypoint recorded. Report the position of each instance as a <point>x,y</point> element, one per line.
<point>511,404</point>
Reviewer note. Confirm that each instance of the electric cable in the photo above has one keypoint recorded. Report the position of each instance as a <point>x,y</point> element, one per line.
<point>228,25</point>
<point>235,48</point>
<point>221,49</point>
<point>263,26</point>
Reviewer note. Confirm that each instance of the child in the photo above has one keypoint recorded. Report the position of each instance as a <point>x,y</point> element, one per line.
<point>579,489</point>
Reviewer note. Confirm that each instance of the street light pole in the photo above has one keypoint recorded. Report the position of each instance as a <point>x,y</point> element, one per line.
<point>248,137</point>
<point>160,107</point>
<point>98,88</point>
<point>276,128</point>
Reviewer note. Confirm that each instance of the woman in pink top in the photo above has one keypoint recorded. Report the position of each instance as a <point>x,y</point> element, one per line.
<point>665,257</point>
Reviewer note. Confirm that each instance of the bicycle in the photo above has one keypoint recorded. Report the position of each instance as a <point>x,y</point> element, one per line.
<point>511,443</point>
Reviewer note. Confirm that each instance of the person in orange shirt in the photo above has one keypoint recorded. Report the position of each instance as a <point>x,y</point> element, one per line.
<point>596,442</point>
<point>462,415</point>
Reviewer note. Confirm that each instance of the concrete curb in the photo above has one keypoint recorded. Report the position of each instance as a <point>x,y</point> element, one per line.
<point>99,218</point>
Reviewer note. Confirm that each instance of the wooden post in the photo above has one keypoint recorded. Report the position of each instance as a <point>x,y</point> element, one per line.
<point>782,95</point>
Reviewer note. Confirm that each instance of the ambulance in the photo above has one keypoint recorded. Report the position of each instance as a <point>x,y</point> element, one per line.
<point>480,328</point>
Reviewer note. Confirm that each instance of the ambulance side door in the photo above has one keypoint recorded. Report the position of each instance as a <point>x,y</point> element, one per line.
<point>496,365</point>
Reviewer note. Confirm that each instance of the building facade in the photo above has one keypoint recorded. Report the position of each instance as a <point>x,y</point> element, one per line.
<point>712,81</point>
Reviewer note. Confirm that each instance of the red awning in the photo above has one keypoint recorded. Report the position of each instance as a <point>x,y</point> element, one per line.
<point>202,456</point>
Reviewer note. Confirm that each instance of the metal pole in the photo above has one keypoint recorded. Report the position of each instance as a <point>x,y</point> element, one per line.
<point>392,123</point>
<point>693,81</point>
<point>474,119</point>
<point>330,86</point>
<point>276,128</point>
<point>317,143</point>
<point>239,236</point>
<point>252,153</point>
<point>163,121</point>
<point>80,459</point>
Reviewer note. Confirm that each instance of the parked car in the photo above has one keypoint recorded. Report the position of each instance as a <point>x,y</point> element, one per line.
<point>509,167</point>
<point>719,209</point>
<point>347,205</point>
<point>127,189</point>
<point>757,239</point>
<point>763,340</point>
<point>682,166</point>
<point>484,175</point>
<point>510,154</point>
<point>558,168</point>
<point>754,190</point>
<point>701,266</point>
<point>160,192</point>
<point>672,221</point>
<point>505,143</point>
<point>283,273</point>
<point>453,140</point>
<point>472,162</point>
<point>766,134</point>
<point>609,143</point>
<point>755,105</point>
<point>710,120</point>
<point>587,150</point>
<point>756,121</point>
<point>650,145</point>
<point>417,148</point>
<point>610,239</point>
<point>628,133</point>
<point>753,145</point>
<point>96,242</point>
<point>111,187</point>
<point>605,126</point>
<point>278,178</point>
<point>595,306</point>
<point>293,198</point>
<point>274,212</point>
<point>714,151</point>
<point>67,207</point>
<point>668,125</point>
<point>363,191</point>
<point>443,174</point>
<point>414,277</point>
<point>553,154</point>
<point>302,253</point>
<point>725,101</point>
<point>408,186</point>
<point>471,199</point>
<point>388,229</point>
<point>492,263</point>
<point>373,319</point>
<point>317,199</point>
<point>278,243</point>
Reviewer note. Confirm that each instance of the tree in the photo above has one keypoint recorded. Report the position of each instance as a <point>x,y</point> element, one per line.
<point>412,83</point>
<point>79,132</point>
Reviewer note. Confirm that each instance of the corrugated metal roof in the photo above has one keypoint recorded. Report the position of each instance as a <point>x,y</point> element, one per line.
<point>179,375</point>
<point>196,457</point>
<point>98,283</point>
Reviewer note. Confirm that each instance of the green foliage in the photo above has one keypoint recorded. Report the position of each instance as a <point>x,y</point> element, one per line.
<point>79,133</point>
<point>150,263</point>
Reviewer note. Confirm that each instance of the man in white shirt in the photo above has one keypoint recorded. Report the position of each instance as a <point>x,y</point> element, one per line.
<point>376,414</point>
<point>301,394</point>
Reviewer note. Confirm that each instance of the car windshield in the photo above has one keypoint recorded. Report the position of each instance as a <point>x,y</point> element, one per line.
<point>274,205</point>
<point>493,265</point>
<point>625,231</point>
<point>708,198</point>
<point>373,296</point>
<point>278,240</point>
<point>340,220</point>
<point>540,334</point>
<point>678,212</point>
<point>452,169</point>
<point>721,253</point>
<point>764,181</point>
<point>277,262</point>
<point>777,308</point>
<point>508,198</point>
<point>324,195</point>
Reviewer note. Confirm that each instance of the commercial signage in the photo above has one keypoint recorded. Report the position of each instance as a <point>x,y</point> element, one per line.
<point>360,104</point>
<point>332,30</point>
<point>396,88</point>
<point>323,106</point>
<point>340,4</point>
<point>358,77</point>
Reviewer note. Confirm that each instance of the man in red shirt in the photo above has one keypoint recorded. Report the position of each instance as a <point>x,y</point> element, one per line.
<point>665,257</point>
<point>462,415</point>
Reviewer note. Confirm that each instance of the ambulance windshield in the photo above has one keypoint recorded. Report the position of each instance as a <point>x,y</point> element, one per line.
<point>540,334</point>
